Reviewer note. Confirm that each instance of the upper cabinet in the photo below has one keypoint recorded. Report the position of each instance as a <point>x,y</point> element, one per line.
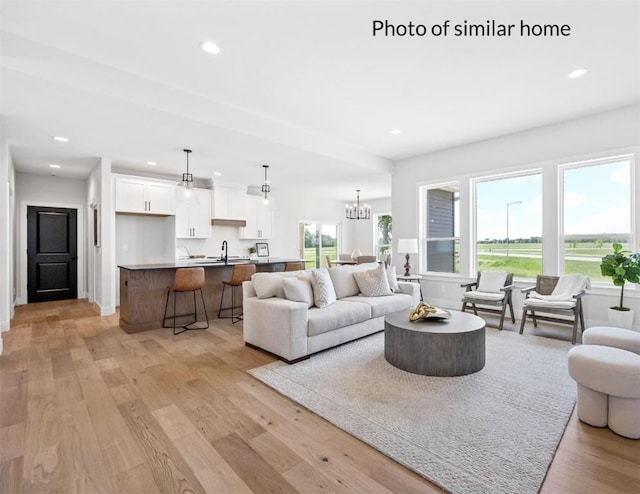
<point>228,205</point>
<point>194,220</point>
<point>144,196</point>
<point>259,219</point>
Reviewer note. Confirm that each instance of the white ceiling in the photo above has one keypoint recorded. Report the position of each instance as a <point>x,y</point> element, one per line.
<point>302,86</point>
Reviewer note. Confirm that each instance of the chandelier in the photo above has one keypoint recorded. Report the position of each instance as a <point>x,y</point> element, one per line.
<point>266,187</point>
<point>357,212</point>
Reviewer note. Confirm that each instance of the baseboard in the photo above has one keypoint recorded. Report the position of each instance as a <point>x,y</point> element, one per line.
<point>106,311</point>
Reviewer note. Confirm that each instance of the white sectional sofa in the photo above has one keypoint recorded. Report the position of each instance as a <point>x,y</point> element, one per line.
<point>287,323</point>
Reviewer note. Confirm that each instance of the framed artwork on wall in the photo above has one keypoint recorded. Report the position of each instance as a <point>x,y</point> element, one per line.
<point>263,249</point>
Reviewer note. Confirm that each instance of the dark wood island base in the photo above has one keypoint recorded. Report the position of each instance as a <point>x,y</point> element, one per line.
<point>143,291</point>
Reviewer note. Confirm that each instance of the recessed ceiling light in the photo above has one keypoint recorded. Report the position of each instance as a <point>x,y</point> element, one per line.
<point>152,163</point>
<point>216,174</point>
<point>574,74</point>
<point>396,132</point>
<point>60,138</point>
<point>52,165</point>
<point>210,47</point>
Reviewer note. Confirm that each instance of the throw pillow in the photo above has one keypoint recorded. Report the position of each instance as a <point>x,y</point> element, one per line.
<point>492,281</point>
<point>343,281</point>
<point>269,285</point>
<point>298,290</point>
<point>323,292</point>
<point>392,278</point>
<point>373,283</point>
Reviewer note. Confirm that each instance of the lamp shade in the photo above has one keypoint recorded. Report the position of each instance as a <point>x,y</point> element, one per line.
<point>407,246</point>
<point>355,254</point>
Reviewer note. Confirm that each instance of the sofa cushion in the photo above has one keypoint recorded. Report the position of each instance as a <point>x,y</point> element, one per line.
<point>373,283</point>
<point>298,290</point>
<point>337,315</point>
<point>381,306</point>
<point>343,281</point>
<point>323,292</point>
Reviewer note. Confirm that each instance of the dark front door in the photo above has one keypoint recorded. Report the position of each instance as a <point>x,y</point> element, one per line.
<point>52,255</point>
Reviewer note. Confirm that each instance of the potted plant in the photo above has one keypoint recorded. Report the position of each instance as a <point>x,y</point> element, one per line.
<point>252,252</point>
<point>621,266</point>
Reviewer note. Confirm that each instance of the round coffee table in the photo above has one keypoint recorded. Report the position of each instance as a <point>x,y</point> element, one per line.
<point>435,347</point>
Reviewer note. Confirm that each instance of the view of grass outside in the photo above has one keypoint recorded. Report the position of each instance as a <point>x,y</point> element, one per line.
<point>580,257</point>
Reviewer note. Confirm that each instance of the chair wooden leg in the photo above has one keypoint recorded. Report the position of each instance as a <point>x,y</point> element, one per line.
<point>475,311</point>
<point>533,318</point>
<point>513,317</point>
<point>575,329</point>
<point>464,306</point>
<point>504,309</point>
<point>524,318</point>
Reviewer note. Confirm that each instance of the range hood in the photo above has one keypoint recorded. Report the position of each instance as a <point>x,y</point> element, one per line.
<point>223,222</point>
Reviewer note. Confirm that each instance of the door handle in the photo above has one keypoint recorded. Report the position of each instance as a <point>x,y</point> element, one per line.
<point>74,258</point>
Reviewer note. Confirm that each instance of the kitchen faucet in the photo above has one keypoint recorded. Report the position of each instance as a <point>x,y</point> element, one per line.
<point>225,252</point>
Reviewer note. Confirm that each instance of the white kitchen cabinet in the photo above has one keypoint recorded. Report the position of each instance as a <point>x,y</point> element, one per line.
<point>228,203</point>
<point>194,220</point>
<point>144,196</point>
<point>259,218</point>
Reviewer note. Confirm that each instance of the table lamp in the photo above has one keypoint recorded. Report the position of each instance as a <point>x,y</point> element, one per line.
<point>355,254</point>
<point>407,246</point>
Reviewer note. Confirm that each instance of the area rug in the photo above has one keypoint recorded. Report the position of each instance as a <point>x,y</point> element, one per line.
<point>495,431</point>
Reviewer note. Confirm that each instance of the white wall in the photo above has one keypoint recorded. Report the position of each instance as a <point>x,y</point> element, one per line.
<point>600,135</point>
<point>45,190</point>
<point>6,235</point>
<point>105,255</point>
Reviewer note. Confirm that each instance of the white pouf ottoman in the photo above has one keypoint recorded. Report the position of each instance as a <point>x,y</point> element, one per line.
<point>608,387</point>
<point>625,339</point>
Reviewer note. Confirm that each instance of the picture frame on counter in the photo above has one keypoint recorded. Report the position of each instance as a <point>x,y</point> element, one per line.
<point>263,249</point>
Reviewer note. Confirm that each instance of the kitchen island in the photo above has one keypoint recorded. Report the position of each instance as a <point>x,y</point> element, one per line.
<point>143,289</point>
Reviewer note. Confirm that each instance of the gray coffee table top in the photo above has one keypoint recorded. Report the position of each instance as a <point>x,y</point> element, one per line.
<point>460,322</point>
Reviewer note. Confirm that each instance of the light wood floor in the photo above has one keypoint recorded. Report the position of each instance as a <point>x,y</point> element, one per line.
<point>85,407</point>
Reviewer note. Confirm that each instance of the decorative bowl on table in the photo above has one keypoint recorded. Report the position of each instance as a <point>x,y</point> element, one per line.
<point>424,311</point>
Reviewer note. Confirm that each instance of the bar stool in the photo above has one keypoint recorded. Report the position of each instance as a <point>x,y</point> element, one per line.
<point>240,274</point>
<point>186,280</point>
<point>294,266</point>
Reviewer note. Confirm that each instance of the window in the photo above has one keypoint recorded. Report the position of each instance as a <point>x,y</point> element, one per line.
<point>441,228</point>
<point>596,211</point>
<point>383,234</point>
<point>509,224</point>
<point>318,241</point>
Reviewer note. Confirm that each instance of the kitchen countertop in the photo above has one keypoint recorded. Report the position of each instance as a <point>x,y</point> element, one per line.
<point>204,262</point>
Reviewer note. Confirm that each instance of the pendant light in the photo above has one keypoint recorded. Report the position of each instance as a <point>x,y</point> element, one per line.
<point>184,191</point>
<point>357,212</point>
<point>266,187</point>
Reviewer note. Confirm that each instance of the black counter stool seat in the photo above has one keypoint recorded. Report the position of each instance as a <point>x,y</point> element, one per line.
<point>240,274</point>
<point>186,280</point>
